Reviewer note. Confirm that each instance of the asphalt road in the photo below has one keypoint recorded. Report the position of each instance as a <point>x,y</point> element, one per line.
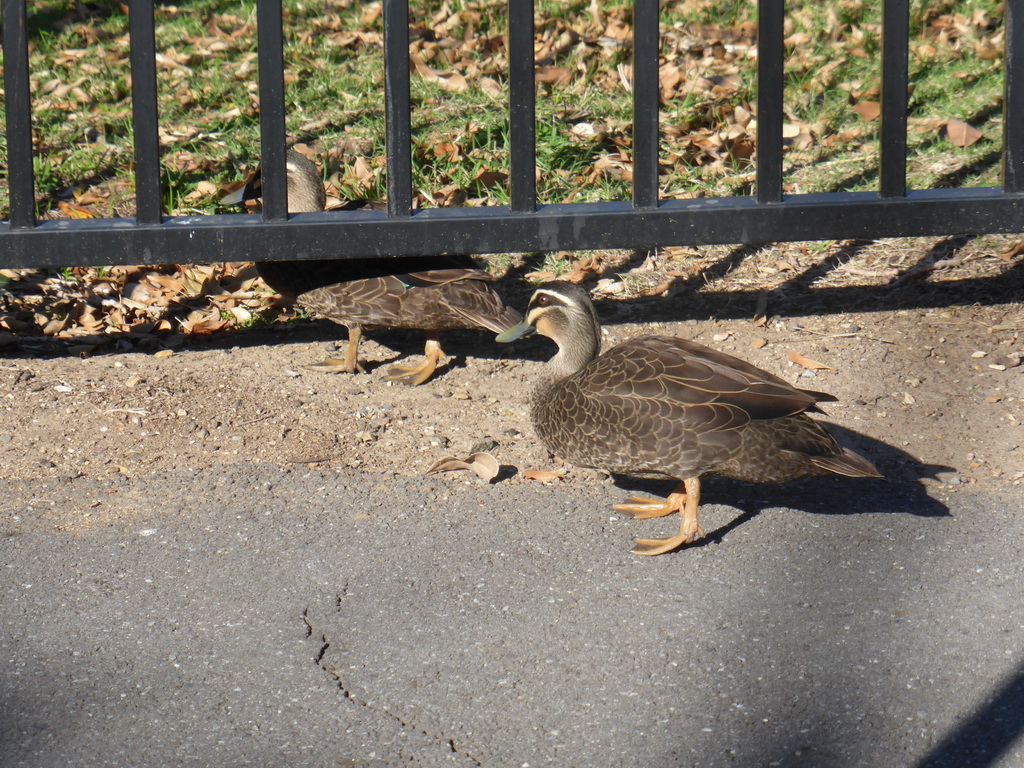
<point>259,616</point>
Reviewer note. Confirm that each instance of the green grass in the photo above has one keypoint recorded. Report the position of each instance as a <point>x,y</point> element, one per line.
<point>334,90</point>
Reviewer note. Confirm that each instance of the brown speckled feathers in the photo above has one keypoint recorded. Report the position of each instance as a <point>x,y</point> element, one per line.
<point>658,405</point>
<point>392,293</point>
<point>665,406</point>
<point>431,293</point>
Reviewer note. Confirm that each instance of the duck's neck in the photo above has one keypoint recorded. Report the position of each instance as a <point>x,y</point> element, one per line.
<point>303,199</point>
<point>573,354</point>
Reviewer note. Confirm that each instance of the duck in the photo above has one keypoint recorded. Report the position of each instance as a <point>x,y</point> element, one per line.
<point>431,293</point>
<point>663,406</point>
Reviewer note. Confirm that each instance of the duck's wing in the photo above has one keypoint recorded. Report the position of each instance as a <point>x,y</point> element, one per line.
<point>659,403</point>
<point>470,295</point>
<point>682,373</point>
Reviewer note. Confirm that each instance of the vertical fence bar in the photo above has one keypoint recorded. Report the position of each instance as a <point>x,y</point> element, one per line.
<point>397,106</point>
<point>892,148</point>
<point>522,99</point>
<point>145,126</point>
<point>770,50</point>
<point>646,97</point>
<point>18,112</point>
<point>270,42</point>
<point>1013,99</point>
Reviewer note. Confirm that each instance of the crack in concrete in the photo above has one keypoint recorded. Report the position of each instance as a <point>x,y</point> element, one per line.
<point>407,724</point>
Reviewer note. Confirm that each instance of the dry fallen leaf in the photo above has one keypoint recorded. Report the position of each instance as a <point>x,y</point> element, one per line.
<point>868,110</point>
<point>806,362</point>
<point>75,211</point>
<point>544,475</point>
<point>962,134</point>
<point>1015,250</point>
<point>483,465</point>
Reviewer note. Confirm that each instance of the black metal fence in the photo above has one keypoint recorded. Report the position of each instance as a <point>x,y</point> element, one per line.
<point>523,226</point>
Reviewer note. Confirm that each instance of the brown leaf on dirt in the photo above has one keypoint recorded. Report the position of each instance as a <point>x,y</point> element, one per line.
<point>806,362</point>
<point>962,134</point>
<point>203,322</point>
<point>483,465</point>
<point>540,277</point>
<point>87,198</point>
<point>1013,251</point>
<point>584,269</point>
<point>544,475</point>
<point>75,211</point>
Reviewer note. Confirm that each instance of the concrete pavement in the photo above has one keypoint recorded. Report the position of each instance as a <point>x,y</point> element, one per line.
<point>253,615</point>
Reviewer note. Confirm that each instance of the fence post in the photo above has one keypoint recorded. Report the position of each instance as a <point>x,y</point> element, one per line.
<point>270,44</point>
<point>1013,99</point>
<point>770,18</point>
<point>646,100</point>
<point>145,114</point>
<point>18,110</point>
<point>892,148</point>
<point>522,118</point>
<point>397,130</point>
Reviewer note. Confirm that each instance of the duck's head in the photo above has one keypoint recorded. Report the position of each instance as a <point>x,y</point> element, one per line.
<point>305,186</point>
<point>563,312</point>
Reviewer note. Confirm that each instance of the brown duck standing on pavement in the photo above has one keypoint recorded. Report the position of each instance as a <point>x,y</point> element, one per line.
<point>664,406</point>
<point>432,293</point>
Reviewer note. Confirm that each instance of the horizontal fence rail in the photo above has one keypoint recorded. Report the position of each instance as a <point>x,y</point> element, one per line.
<point>645,221</point>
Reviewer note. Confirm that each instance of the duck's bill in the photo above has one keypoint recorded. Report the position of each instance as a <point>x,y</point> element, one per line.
<point>515,332</point>
<point>234,198</point>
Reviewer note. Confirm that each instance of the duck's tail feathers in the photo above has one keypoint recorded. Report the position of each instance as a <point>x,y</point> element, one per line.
<point>847,463</point>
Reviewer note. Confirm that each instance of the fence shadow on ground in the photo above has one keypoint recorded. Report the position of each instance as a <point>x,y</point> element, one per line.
<point>798,296</point>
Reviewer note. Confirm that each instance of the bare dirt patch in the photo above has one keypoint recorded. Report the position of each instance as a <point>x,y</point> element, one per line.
<point>920,341</point>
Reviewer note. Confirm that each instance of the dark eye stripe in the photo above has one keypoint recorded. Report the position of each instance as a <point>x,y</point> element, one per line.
<point>545,299</point>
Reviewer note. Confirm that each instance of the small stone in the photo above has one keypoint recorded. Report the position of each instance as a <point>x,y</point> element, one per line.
<point>481,446</point>
<point>908,398</point>
<point>758,343</point>
<point>63,388</point>
<point>979,353</point>
<point>363,436</point>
